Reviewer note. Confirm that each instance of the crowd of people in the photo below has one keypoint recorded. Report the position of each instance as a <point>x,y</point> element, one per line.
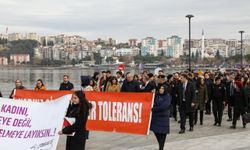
<point>178,95</point>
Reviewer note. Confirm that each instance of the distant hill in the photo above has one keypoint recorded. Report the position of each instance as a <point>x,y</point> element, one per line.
<point>19,47</point>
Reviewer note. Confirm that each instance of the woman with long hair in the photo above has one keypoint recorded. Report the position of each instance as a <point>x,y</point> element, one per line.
<point>160,123</point>
<point>92,86</point>
<point>201,99</point>
<point>114,85</point>
<point>40,85</point>
<point>79,110</point>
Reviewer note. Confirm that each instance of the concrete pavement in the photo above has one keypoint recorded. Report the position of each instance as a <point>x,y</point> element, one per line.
<point>205,137</point>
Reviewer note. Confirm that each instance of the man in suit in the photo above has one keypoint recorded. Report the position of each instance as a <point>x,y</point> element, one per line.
<point>186,94</point>
<point>148,86</point>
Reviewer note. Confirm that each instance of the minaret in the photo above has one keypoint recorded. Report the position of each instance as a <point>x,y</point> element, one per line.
<point>202,45</point>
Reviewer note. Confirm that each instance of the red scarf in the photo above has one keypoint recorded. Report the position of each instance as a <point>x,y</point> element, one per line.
<point>239,84</point>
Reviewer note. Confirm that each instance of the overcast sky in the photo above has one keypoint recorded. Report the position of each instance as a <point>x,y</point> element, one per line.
<point>123,19</point>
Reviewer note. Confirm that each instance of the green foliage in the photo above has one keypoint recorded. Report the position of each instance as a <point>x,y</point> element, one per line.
<point>236,57</point>
<point>50,43</point>
<point>3,41</point>
<point>196,55</point>
<point>87,58</point>
<point>97,58</point>
<point>247,57</point>
<point>20,47</point>
<point>147,58</point>
<point>73,62</point>
<point>49,62</point>
<point>58,62</point>
<point>44,42</point>
<point>192,56</point>
<point>122,45</point>
<point>217,55</point>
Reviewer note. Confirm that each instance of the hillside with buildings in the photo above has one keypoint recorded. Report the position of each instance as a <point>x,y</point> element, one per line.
<point>32,49</point>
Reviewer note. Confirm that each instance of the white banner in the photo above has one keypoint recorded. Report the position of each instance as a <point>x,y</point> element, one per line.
<point>26,125</point>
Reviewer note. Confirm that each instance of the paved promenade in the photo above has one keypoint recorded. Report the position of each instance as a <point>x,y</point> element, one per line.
<point>205,137</point>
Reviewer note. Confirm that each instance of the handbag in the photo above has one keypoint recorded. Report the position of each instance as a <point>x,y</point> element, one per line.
<point>246,118</point>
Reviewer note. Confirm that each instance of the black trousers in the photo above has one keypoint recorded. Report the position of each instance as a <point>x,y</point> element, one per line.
<point>218,110</point>
<point>229,109</point>
<point>196,116</point>
<point>208,106</point>
<point>174,108</point>
<point>75,143</point>
<point>237,113</point>
<point>184,114</point>
<point>161,138</point>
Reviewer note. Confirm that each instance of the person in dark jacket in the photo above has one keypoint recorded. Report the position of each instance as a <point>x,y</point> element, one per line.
<point>239,102</point>
<point>218,100</point>
<point>107,81</point>
<point>163,82</point>
<point>79,109</point>
<point>201,99</point>
<point>230,95</point>
<point>160,123</point>
<point>209,83</point>
<point>247,94</point>
<point>120,77</point>
<point>175,96</point>
<point>186,94</point>
<point>19,85</point>
<point>130,85</point>
<point>66,85</point>
<point>102,80</point>
<point>148,86</point>
<point>1,94</point>
<point>96,76</point>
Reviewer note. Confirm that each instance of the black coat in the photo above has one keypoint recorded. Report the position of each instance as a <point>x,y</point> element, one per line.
<point>160,114</point>
<point>174,91</point>
<point>169,88</point>
<point>66,86</point>
<point>247,97</point>
<point>76,142</point>
<point>239,100</point>
<point>12,92</point>
<point>149,87</point>
<point>189,96</point>
<point>209,83</point>
<point>219,93</point>
<point>132,86</point>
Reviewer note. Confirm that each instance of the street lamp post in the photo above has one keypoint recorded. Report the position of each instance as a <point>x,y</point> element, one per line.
<point>189,45</point>
<point>241,47</point>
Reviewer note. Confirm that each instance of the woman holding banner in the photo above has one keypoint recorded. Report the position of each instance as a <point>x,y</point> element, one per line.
<point>160,116</point>
<point>40,85</point>
<point>19,85</point>
<point>79,109</point>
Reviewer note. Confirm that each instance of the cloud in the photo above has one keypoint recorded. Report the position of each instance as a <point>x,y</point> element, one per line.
<point>123,19</point>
